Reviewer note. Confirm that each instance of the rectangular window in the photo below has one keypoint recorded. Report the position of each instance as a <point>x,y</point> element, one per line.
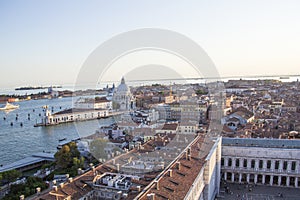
<point>245,163</point>
<point>229,162</point>
<point>285,165</point>
<point>268,164</point>
<point>237,162</point>
<point>252,163</point>
<point>261,163</point>
<point>277,164</point>
<point>294,165</point>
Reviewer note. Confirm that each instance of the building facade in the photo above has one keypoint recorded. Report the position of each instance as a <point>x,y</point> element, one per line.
<point>261,161</point>
<point>122,97</point>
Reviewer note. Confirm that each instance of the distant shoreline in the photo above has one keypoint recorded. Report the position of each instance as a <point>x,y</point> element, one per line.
<point>36,87</point>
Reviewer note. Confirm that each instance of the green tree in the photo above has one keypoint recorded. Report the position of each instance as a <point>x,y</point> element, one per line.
<point>11,175</point>
<point>27,189</point>
<point>68,157</point>
<point>78,162</point>
<point>63,157</point>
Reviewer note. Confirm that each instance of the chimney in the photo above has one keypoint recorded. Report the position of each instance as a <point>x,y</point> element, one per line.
<point>22,197</point>
<point>186,155</point>
<point>70,180</point>
<point>55,188</point>
<point>61,185</point>
<point>38,190</point>
<point>138,188</point>
<point>151,196</point>
<point>118,167</point>
<point>178,166</point>
<point>54,182</point>
<point>189,157</point>
<point>162,165</point>
<point>170,172</point>
<point>157,185</point>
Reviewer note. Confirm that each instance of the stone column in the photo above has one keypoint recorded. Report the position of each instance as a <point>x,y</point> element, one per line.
<point>233,163</point>
<point>256,164</point>
<point>280,165</point>
<point>296,182</point>
<point>297,166</point>
<point>225,176</point>
<point>241,162</point>
<point>279,180</point>
<point>263,179</point>
<point>226,162</point>
<point>255,178</point>
<point>240,178</point>
<point>289,166</point>
<point>248,178</point>
<point>232,177</point>
<point>288,181</point>
<point>264,164</point>
<point>271,180</point>
<point>272,165</point>
<point>249,164</point>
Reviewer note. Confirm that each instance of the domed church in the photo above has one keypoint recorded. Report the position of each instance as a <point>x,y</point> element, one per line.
<point>122,98</point>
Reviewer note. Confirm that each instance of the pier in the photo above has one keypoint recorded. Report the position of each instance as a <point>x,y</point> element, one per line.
<point>28,163</point>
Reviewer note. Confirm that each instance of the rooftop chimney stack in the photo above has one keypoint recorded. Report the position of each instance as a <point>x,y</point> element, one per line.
<point>55,188</point>
<point>170,172</point>
<point>178,166</point>
<point>151,196</point>
<point>138,188</point>
<point>118,167</point>
<point>38,190</point>
<point>157,185</point>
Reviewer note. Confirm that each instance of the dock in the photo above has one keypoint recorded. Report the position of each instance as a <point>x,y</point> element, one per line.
<point>30,162</point>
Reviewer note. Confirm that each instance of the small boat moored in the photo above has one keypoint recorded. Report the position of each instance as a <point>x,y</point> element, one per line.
<point>9,106</point>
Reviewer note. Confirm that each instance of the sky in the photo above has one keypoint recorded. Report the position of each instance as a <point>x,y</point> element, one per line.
<point>47,42</point>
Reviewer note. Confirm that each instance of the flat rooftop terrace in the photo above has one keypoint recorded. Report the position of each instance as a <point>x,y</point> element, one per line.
<point>261,142</point>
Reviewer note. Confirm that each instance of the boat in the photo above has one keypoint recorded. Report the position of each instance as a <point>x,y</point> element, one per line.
<point>9,106</point>
<point>63,139</point>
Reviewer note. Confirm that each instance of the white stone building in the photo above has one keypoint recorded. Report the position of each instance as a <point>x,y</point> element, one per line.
<point>89,103</point>
<point>271,162</point>
<point>122,97</point>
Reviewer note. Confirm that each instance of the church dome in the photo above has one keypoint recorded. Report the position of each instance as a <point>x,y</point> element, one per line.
<point>123,88</point>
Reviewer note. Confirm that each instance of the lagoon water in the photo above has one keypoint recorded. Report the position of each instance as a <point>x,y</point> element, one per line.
<point>17,142</point>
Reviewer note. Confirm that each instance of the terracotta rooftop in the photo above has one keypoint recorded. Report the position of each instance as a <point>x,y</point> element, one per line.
<point>176,180</point>
<point>172,127</point>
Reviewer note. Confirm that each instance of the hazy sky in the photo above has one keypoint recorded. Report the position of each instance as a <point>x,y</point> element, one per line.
<point>46,42</point>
